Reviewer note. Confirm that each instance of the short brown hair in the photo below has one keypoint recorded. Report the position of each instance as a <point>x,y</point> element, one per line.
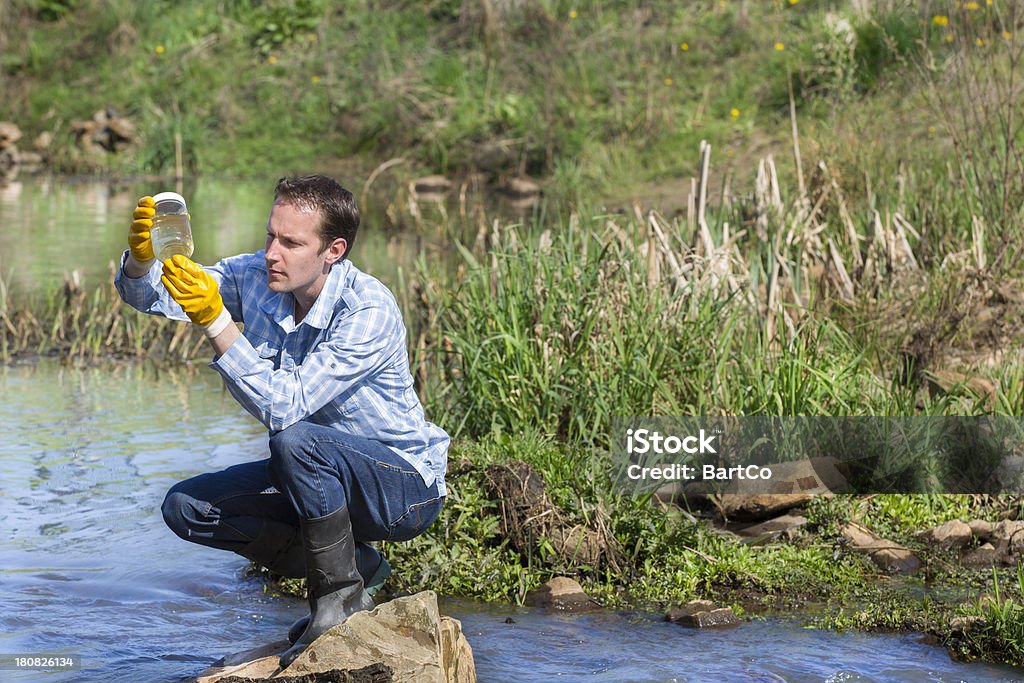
<point>339,215</point>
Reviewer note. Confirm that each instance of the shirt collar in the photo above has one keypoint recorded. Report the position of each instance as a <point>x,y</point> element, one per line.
<point>319,315</point>
<point>281,306</point>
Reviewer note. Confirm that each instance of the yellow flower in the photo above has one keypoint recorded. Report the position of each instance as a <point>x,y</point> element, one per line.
<point>311,37</point>
<point>573,14</point>
<point>793,2</point>
<point>980,42</point>
<point>1007,35</point>
<point>734,112</point>
<point>668,81</point>
<point>271,59</point>
<point>940,19</point>
<point>780,47</point>
<point>971,5</point>
<point>685,47</point>
<point>314,79</point>
<point>932,130</point>
<point>159,49</point>
<point>949,37</point>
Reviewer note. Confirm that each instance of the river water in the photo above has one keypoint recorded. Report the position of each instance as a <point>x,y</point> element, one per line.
<point>87,567</point>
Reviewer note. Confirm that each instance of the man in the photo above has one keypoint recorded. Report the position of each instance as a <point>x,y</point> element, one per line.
<point>323,365</point>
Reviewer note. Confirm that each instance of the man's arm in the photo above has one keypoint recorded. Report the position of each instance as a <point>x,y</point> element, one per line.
<point>223,341</point>
<point>357,346</point>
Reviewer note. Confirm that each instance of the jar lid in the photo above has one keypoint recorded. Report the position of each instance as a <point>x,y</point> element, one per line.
<point>169,202</point>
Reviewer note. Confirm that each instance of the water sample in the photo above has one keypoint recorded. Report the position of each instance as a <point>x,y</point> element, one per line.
<point>171,233</point>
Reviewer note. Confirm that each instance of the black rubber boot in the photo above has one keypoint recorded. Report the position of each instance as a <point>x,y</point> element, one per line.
<point>374,569</point>
<point>278,548</point>
<point>333,584</point>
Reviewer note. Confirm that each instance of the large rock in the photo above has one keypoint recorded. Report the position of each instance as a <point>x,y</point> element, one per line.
<point>791,485</point>
<point>702,614</point>
<point>888,555</point>
<point>981,528</point>
<point>758,507</point>
<point>9,133</point>
<point>407,635</point>
<point>786,525</point>
<point>1011,534</point>
<point>561,593</point>
<point>951,534</point>
<point>984,555</point>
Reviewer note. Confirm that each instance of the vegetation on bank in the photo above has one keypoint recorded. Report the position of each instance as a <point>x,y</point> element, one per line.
<point>603,98</point>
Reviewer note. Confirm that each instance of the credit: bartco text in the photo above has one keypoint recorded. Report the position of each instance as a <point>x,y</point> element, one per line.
<point>678,472</point>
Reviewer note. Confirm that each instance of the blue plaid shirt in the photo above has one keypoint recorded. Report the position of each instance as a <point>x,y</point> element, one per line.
<point>344,366</point>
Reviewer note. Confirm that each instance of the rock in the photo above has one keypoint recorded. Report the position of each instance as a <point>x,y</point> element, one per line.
<point>30,162</point>
<point>431,184</point>
<point>887,555</point>
<point>9,133</point>
<point>792,484</point>
<point>1011,534</point>
<point>520,188</point>
<point>9,158</point>
<point>43,141</point>
<point>813,475</point>
<point>755,508</point>
<point>983,556</point>
<point>702,614</point>
<point>375,673</point>
<point>965,624</point>
<point>951,534</point>
<point>943,382</point>
<point>407,636</point>
<point>785,524</point>
<point>981,528</point>
<point>457,665</point>
<point>105,132</point>
<point>561,593</point>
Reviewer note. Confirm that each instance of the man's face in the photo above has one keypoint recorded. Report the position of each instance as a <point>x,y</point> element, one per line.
<point>294,260</point>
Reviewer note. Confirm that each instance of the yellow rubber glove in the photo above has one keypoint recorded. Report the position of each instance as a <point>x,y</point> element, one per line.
<point>195,291</point>
<point>139,241</point>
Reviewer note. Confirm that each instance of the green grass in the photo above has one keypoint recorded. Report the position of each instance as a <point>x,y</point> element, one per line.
<point>623,91</point>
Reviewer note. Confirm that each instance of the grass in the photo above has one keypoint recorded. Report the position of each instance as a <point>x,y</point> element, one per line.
<point>608,96</point>
<point>81,326</point>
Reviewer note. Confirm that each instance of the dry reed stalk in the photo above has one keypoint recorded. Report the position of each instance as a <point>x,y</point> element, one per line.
<point>978,241</point>
<point>902,228</point>
<point>702,198</point>
<point>845,288</point>
<point>801,188</point>
<point>666,250</point>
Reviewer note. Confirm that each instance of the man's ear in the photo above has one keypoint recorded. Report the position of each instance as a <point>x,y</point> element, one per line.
<point>336,251</point>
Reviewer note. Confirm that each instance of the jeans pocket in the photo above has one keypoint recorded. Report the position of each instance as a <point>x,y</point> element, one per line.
<point>416,519</point>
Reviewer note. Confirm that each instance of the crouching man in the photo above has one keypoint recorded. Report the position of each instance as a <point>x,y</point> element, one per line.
<point>323,365</point>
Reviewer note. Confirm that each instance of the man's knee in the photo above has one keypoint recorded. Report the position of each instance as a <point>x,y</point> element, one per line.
<point>179,510</point>
<point>286,445</point>
<point>292,439</point>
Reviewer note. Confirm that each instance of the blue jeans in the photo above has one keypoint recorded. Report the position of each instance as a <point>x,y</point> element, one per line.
<point>312,471</point>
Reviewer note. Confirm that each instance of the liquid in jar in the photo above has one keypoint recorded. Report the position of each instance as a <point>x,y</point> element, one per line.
<point>171,233</point>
